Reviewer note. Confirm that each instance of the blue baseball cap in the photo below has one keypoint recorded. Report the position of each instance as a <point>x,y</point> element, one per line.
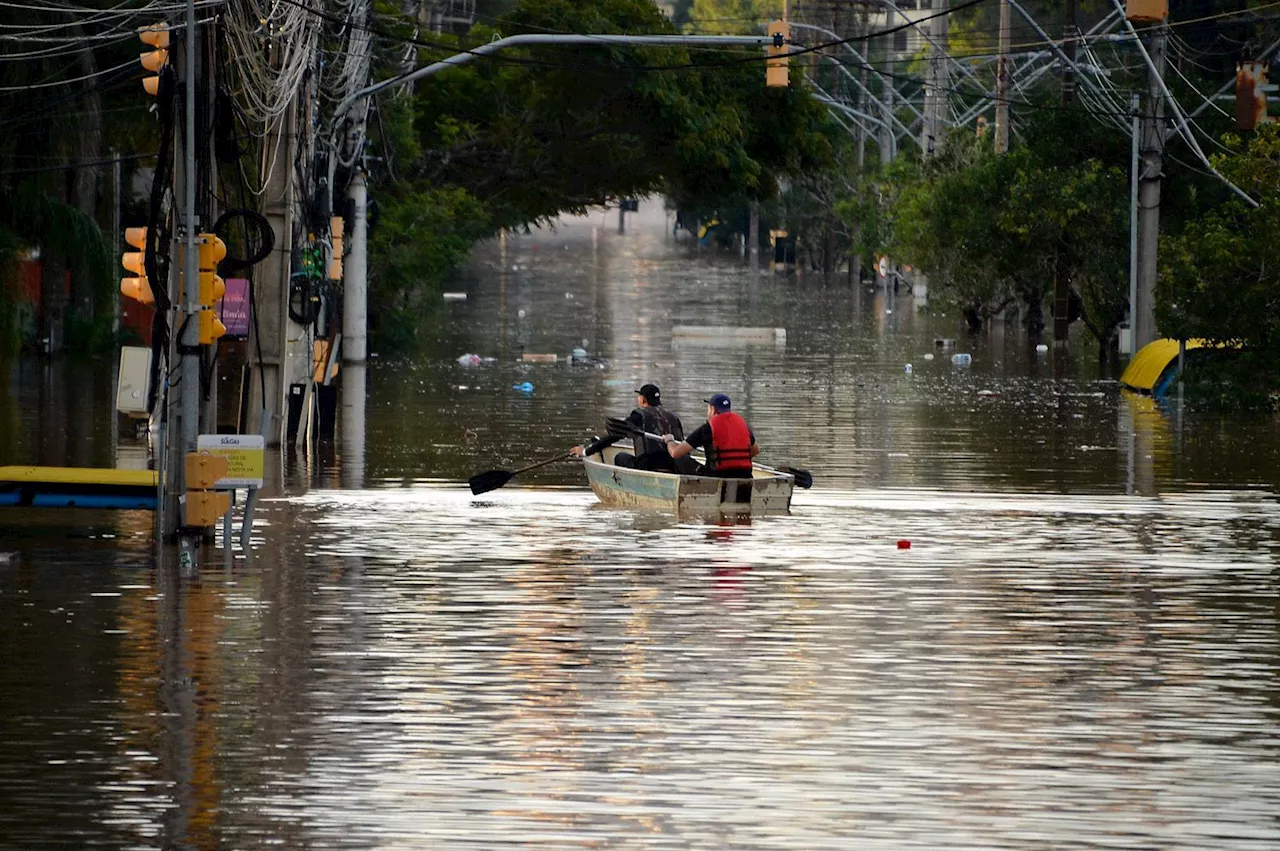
<point>719,401</point>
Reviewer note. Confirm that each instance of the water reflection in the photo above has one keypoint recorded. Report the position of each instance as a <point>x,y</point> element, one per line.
<point>1080,648</point>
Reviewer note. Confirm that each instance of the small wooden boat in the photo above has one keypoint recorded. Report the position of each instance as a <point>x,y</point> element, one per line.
<point>768,491</point>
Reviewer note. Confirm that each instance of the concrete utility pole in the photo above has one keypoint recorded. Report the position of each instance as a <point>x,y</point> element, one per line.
<point>1061,283</point>
<point>279,333</point>
<point>887,140</point>
<point>116,196</point>
<point>1142,318</point>
<point>1002,82</point>
<point>936,100</point>
<point>355,268</point>
<point>1135,164</point>
<point>855,259</point>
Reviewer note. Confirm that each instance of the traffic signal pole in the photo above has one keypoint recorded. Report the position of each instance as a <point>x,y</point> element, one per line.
<point>189,338</point>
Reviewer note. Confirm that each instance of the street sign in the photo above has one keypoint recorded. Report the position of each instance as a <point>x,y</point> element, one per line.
<point>245,454</point>
<point>234,310</point>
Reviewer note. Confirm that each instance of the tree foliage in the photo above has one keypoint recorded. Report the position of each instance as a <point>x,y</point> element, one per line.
<point>1220,276</point>
<point>553,129</point>
<point>994,230</point>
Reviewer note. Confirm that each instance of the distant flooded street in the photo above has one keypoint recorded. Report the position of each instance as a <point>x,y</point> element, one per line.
<point>1019,608</point>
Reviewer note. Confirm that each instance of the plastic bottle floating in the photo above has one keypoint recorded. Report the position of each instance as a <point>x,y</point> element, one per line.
<point>523,387</point>
<point>962,359</point>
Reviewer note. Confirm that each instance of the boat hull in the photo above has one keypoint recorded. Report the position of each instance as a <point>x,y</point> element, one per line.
<point>767,492</point>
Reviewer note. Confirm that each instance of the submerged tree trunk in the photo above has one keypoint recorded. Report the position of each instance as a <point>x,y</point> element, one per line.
<point>53,298</point>
<point>86,184</point>
<point>828,253</point>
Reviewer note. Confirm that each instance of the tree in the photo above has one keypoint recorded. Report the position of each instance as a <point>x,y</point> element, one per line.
<point>546,130</point>
<point>1220,280</point>
<point>992,230</point>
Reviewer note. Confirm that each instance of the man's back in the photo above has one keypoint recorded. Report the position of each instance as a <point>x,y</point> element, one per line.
<point>655,419</point>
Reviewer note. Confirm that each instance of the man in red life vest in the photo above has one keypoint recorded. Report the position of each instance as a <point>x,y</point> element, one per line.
<point>725,437</point>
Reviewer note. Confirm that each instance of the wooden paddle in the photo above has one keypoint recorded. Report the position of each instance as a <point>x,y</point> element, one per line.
<point>618,427</point>
<point>494,479</point>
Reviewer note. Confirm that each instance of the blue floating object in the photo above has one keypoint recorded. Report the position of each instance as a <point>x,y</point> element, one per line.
<point>523,387</point>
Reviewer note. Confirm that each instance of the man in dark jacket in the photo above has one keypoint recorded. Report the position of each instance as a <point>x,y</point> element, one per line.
<point>648,415</point>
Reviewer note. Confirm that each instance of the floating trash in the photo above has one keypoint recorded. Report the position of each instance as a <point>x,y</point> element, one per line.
<point>523,387</point>
<point>470,360</point>
<point>962,359</point>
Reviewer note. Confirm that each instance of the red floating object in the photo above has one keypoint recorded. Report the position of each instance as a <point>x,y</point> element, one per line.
<point>904,544</point>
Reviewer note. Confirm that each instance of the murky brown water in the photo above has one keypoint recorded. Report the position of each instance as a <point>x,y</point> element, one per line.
<point>1079,649</point>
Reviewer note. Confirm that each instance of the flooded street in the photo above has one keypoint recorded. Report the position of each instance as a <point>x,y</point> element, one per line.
<point>1080,648</point>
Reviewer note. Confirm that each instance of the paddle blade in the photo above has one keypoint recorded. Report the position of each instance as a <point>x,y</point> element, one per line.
<point>490,481</point>
<point>804,479</point>
<point>616,427</point>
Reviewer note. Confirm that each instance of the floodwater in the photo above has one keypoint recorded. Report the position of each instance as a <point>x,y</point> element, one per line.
<point>1079,648</point>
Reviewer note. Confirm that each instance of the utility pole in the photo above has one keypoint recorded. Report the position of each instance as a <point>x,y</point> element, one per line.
<point>274,331</point>
<point>355,270</point>
<point>935,93</point>
<point>1070,36</point>
<point>855,260</point>
<point>1002,82</point>
<point>184,412</point>
<point>887,142</point>
<point>1134,166</point>
<point>1061,282</point>
<point>1142,318</point>
<point>116,196</point>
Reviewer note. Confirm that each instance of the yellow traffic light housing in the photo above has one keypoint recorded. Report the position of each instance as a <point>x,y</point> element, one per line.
<point>157,37</point>
<point>137,287</point>
<point>211,250</point>
<point>1252,85</point>
<point>1146,11</point>
<point>776,73</point>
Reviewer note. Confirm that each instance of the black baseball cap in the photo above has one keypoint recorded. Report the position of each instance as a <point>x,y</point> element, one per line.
<point>719,401</point>
<point>651,394</point>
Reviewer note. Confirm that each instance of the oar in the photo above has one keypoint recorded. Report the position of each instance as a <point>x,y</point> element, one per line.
<point>804,479</point>
<point>617,426</point>
<point>494,479</point>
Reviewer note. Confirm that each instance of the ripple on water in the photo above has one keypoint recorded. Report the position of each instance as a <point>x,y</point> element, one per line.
<point>1037,670</point>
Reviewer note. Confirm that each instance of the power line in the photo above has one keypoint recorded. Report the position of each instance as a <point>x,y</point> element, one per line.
<point>126,158</point>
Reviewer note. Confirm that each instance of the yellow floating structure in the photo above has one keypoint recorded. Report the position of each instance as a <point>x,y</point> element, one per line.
<point>77,487</point>
<point>1155,366</point>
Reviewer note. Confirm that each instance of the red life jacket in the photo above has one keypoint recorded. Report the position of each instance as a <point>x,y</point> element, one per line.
<point>730,442</point>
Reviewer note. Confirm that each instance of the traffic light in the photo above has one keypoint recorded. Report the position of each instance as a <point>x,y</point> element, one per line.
<point>156,36</point>
<point>1146,11</point>
<point>137,287</point>
<point>212,288</point>
<point>1252,86</point>
<point>775,67</point>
